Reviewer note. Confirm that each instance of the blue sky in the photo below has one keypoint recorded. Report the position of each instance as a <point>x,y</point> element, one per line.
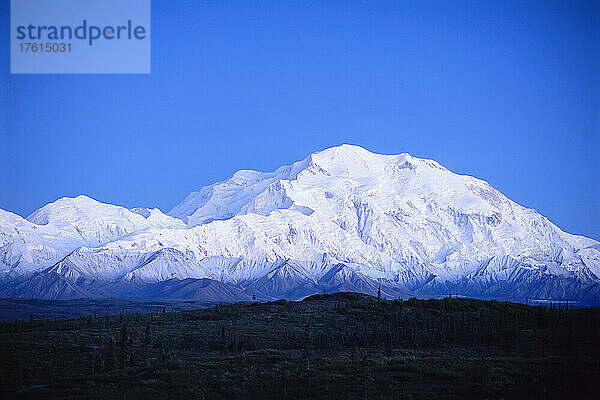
<point>506,91</point>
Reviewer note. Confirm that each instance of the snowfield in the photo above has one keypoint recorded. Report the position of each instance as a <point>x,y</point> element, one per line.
<point>341,219</point>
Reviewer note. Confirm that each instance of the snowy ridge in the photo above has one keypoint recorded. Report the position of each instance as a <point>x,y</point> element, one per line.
<point>341,219</point>
<point>58,228</point>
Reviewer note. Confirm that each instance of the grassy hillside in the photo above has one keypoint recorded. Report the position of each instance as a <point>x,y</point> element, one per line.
<point>344,345</point>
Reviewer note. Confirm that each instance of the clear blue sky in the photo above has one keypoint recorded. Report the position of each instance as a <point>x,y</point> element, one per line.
<point>505,91</point>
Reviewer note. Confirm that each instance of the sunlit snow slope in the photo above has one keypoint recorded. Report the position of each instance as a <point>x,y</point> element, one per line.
<point>341,219</point>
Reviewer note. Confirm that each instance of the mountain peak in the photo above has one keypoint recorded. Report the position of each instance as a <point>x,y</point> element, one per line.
<point>79,199</point>
<point>71,208</point>
<point>347,152</point>
<point>249,191</point>
<point>394,220</point>
<point>344,148</point>
<point>349,159</point>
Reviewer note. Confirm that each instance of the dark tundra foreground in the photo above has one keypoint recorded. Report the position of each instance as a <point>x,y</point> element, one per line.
<point>344,345</point>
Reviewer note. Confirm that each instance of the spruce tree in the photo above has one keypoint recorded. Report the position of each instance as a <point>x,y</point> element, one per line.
<point>109,364</point>
<point>123,346</point>
<point>223,341</point>
<point>147,336</point>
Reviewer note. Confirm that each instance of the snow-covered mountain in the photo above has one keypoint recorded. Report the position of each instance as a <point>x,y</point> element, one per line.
<point>341,219</point>
<point>69,223</point>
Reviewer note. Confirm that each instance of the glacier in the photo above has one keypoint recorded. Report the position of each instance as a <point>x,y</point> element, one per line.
<point>341,219</point>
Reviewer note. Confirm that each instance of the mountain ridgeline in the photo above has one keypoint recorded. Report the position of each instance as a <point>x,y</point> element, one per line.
<point>343,219</point>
